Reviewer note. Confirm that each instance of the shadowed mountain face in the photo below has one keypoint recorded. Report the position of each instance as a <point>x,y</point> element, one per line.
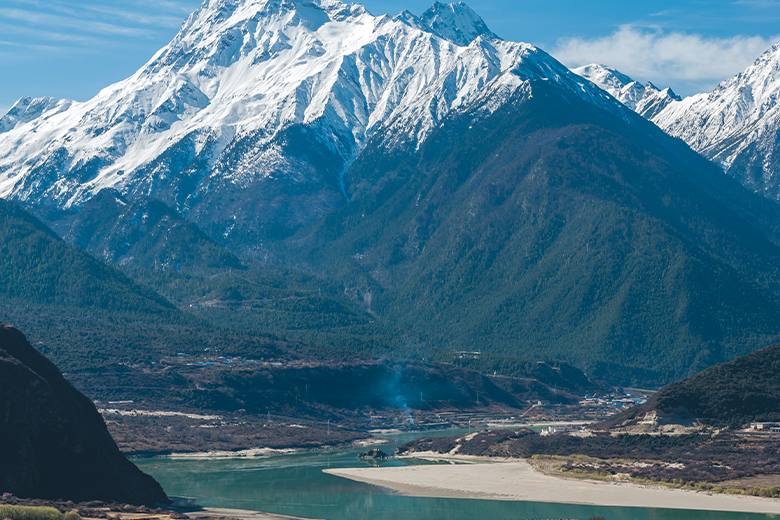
<point>551,228</point>
<point>53,442</point>
<point>142,234</point>
<point>39,269</point>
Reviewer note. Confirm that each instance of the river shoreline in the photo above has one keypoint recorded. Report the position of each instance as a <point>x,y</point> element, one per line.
<point>375,440</point>
<point>516,480</point>
<point>239,514</point>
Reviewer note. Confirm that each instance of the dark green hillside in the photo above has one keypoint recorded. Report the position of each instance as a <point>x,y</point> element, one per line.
<point>550,229</point>
<point>144,234</point>
<point>39,269</point>
<point>285,302</point>
<point>730,394</point>
<point>238,307</point>
<point>85,314</point>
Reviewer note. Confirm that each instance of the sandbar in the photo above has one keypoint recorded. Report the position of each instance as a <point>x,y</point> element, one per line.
<point>240,514</point>
<point>517,480</point>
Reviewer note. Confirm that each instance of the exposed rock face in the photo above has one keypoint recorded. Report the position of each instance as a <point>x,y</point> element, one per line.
<point>676,422</point>
<point>53,442</point>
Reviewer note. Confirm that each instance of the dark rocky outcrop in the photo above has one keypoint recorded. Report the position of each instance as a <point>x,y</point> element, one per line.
<point>53,442</point>
<point>375,454</point>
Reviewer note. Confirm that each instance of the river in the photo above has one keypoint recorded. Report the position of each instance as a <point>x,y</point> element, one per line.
<point>295,485</point>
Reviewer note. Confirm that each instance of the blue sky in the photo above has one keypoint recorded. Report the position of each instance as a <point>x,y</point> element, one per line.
<point>73,48</point>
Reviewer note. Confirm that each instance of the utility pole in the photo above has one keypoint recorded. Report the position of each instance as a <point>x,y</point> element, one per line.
<point>328,426</point>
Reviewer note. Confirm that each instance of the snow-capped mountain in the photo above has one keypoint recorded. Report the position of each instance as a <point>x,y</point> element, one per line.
<point>647,100</point>
<point>736,125</point>
<point>247,120</point>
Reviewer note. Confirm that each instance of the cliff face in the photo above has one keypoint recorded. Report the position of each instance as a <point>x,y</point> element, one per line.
<point>53,442</point>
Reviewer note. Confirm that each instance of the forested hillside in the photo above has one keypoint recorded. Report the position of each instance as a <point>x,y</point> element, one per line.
<point>550,229</point>
<point>85,314</point>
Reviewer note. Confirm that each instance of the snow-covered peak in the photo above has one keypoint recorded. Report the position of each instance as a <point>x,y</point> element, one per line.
<point>655,100</point>
<point>455,22</point>
<point>256,99</point>
<point>736,104</point>
<point>27,109</point>
<point>646,100</point>
<point>737,124</point>
<point>609,79</point>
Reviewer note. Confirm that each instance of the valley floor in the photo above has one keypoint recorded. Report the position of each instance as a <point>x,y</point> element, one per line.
<point>517,480</point>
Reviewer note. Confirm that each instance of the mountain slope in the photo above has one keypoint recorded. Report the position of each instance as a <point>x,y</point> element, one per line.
<point>53,441</point>
<point>143,234</point>
<point>552,226</point>
<point>85,314</point>
<point>736,125</point>
<point>730,394</point>
<point>213,129</point>
<point>37,268</point>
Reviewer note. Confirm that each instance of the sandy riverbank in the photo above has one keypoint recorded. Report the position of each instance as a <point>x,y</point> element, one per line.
<point>240,514</point>
<point>270,452</point>
<point>516,480</point>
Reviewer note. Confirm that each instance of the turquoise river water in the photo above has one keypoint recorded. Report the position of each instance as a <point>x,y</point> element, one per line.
<point>295,485</point>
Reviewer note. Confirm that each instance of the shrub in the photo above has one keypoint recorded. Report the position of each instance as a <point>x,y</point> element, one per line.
<point>34,513</point>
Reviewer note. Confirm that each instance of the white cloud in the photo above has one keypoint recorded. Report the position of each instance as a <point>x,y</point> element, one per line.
<point>688,63</point>
<point>52,20</point>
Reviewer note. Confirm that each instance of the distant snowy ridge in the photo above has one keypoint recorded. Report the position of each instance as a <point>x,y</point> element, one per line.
<point>646,100</point>
<point>255,109</point>
<point>736,125</point>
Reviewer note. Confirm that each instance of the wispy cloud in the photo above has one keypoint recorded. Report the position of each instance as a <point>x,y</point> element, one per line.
<point>54,20</point>
<point>48,48</point>
<point>136,17</point>
<point>759,3</point>
<point>688,63</point>
<point>33,36</point>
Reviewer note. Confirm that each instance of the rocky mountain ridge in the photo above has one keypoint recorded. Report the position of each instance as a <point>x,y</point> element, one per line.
<point>646,100</point>
<point>736,125</point>
<point>247,120</point>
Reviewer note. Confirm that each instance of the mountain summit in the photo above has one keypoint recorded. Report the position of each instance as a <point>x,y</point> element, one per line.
<point>453,22</point>
<point>247,120</point>
<point>647,100</point>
